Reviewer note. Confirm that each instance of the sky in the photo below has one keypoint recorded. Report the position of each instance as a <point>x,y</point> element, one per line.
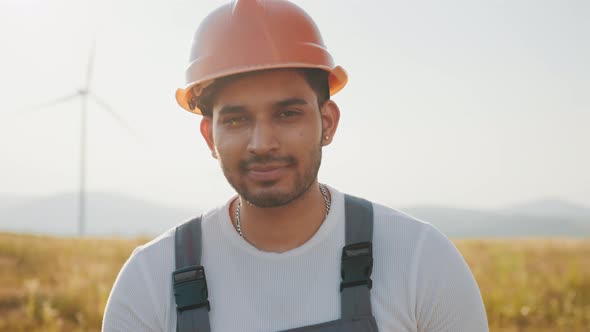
<point>473,104</point>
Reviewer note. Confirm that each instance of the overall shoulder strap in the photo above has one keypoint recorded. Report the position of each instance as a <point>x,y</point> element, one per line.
<point>189,282</point>
<point>357,258</point>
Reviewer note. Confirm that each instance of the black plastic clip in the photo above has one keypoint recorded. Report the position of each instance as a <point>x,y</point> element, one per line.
<point>357,265</point>
<point>190,288</point>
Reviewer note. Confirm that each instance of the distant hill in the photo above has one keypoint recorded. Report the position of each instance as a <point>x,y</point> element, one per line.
<point>511,222</point>
<point>8,201</point>
<point>549,208</point>
<point>107,214</point>
<point>115,214</point>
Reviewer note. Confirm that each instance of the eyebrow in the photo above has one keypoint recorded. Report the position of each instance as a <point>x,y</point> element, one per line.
<point>231,109</point>
<point>291,102</point>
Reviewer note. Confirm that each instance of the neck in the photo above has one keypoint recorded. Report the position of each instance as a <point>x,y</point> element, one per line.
<point>283,228</point>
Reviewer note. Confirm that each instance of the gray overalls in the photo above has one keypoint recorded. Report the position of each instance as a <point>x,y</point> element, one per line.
<point>190,284</point>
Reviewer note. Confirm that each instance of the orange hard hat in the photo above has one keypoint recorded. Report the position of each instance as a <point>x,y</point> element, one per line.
<point>250,35</point>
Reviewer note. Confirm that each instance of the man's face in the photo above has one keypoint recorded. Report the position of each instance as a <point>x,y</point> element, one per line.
<point>266,130</point>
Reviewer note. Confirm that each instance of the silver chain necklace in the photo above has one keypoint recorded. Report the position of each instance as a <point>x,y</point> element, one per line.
<point>323,190</point>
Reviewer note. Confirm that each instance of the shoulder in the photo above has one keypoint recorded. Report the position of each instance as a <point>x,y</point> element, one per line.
<point>141,298</point>
<point>439,284</point>
<point>421,242</point>
<point>155,252</point>
<point>148,261</point>
<point>402,240</point>
<point>158,242</point>
<point>163,245</point>
<point>135,301</point>
<point>394,224</point>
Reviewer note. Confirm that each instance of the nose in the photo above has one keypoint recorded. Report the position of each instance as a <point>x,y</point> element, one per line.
<point>262,138</point>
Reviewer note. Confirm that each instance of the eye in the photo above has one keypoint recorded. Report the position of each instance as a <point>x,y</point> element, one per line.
<point>234,120</point>
<point>288,113</point>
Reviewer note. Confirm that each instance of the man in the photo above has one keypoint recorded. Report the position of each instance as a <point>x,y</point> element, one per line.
<point>272,258</point>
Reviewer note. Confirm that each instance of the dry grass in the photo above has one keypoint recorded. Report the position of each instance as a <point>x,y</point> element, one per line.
<point>532,284</point>
<point>61,284</point>
<point>57,284</point>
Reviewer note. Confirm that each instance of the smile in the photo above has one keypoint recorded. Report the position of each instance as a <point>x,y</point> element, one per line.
<point>266,172</point>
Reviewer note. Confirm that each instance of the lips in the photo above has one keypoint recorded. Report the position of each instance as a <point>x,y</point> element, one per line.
<point>266,172</point>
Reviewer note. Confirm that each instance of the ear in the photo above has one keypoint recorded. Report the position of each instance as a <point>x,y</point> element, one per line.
<point>330,114</point>
<point>207,133</point>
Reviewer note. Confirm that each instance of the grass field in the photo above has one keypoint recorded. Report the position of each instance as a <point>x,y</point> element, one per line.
<point>59,284</point>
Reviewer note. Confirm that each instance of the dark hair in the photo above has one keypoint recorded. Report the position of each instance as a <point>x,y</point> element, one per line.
<point>316,78</point>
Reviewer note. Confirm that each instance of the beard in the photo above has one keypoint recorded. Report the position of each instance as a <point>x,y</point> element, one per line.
<point>274,197</point>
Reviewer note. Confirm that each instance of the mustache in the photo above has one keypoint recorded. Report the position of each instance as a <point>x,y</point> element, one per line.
<point>265,159</point>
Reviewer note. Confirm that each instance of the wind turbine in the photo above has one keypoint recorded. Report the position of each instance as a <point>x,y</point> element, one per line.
<point>85,94</point>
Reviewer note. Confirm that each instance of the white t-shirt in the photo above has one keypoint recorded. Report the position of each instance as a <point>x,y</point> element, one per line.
<point>420,280</point>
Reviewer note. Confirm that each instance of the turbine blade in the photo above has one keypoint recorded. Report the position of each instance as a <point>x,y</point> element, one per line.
<point>50,103</point>
<point>113,114</point>
<point>90,68</point>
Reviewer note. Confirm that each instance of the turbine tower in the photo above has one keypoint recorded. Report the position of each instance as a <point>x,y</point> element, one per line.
<point>85,94</point>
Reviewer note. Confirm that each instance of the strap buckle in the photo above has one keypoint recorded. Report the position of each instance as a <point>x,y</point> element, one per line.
<point>190,288</point>
<point>357,265</point>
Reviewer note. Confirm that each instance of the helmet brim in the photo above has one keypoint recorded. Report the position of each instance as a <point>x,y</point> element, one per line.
<point>185,96</point>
